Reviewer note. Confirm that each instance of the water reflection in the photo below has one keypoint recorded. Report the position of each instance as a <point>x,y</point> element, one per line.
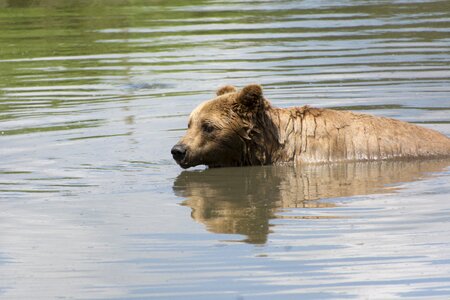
<point>93,93</point>
<point>243,200</point>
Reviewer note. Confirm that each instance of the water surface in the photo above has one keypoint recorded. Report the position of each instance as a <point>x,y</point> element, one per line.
<point>93,94</point>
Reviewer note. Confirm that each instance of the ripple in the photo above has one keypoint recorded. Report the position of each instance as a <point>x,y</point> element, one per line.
<point>93,96</point>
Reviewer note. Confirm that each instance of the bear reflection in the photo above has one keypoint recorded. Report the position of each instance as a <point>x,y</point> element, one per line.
<point>243,200</point>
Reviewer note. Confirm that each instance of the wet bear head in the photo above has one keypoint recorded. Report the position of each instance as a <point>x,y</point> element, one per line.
<point>219,130</point>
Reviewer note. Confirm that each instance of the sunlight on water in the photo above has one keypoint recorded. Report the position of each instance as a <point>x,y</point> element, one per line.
<point>93,94</point>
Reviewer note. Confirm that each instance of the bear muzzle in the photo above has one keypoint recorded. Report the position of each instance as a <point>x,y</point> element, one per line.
<point>178,152</point>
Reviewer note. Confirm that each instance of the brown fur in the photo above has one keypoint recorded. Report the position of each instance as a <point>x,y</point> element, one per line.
<point>240,128</point>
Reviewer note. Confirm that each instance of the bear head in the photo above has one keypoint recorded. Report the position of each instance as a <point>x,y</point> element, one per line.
<point>220,130</point>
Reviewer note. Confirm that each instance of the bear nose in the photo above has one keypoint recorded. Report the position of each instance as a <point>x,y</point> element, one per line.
<point>178,152</point>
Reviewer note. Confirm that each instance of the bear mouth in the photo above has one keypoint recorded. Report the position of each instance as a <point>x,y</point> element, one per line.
<point>184,163</point>
<point>187,165</point>
<point>189,161</point>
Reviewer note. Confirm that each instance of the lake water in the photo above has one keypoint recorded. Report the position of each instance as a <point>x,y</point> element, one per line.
<point>93,94</point>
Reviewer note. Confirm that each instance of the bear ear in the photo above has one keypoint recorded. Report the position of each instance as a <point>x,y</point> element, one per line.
<point>226,89</point>
<point>251,97</point>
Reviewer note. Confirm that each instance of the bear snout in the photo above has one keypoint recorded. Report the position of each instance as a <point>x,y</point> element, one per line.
<point>178,152</point>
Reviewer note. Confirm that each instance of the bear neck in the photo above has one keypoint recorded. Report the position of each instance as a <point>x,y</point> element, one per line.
<point>278,134</point>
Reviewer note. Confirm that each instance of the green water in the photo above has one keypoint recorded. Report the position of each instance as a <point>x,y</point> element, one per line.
<point>93,94</point>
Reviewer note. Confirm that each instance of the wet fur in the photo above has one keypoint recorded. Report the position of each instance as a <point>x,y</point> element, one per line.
<point>241,128</point>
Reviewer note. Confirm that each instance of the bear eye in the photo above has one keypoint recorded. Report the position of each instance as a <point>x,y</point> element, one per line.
<point>208,128</point>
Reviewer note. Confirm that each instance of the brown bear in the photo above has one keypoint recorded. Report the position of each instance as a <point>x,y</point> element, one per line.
<point>241,128</point>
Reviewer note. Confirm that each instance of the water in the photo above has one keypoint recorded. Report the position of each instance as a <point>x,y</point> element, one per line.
<point>93,94</point>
